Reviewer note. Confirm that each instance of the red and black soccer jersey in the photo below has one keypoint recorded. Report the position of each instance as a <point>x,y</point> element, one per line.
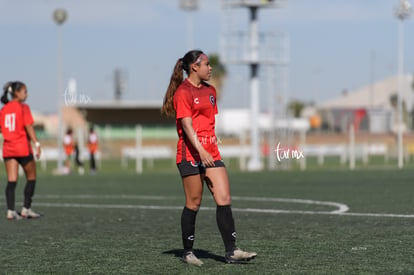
<point>14,116</point>
<point>199,103</point>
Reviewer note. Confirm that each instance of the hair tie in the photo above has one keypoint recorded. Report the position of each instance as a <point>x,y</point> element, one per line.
<point>9,89</point>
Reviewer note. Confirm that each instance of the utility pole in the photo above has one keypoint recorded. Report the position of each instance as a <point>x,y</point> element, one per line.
<point>254,63</point>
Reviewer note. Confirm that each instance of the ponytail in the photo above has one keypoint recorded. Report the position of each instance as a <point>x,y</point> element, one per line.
<point>9,89</point>
<point>183,64</point>
<point>175,81</point>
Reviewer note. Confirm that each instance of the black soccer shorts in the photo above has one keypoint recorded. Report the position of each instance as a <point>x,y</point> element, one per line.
<point>188,168</point>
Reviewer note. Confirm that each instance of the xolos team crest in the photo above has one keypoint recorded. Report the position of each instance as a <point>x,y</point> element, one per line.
<point>212,100</point>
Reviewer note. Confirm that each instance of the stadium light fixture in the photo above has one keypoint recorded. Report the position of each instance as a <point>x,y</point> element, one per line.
<point>402,12</point>
<point>60,16</point>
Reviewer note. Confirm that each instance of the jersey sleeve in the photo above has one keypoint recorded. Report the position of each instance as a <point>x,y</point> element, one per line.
<point>1,120</point>
<point>182,104</point>
<point>215,102</point>
<point>27,115</point>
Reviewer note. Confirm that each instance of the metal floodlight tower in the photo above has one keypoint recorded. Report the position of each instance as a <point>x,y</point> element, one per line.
<point>254,62</point>
<point>60,16</point>
<point>189,6</point>
<point>402,12</point>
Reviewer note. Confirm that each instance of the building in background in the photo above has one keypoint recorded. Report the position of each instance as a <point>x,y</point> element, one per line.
<point>371,108</point>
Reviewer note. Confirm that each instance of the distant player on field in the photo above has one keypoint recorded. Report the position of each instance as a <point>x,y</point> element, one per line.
<point>193,103</point>
<point>93,147</point>
<point>16,124</point>
<point>69,147</point>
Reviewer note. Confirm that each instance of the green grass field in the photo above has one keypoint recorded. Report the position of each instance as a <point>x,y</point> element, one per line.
<point>117,222</point>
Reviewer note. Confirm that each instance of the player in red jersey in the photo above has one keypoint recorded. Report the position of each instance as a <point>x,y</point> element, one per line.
<point>16,124</point>
<point>93,148</point>
<point>193,103</point>
<point>69,147</point>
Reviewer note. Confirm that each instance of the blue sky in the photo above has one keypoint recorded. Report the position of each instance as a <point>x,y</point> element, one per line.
<point>331,44</point>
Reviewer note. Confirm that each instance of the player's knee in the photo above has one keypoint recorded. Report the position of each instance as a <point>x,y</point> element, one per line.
<point>223,199</point>
<point>193,207</point>
<point>12,179</point>
<point>193,203</point>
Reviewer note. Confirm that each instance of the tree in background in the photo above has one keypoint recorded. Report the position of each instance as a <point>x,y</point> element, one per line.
<point>394,105</point>
<point>219,73</point>
<point>295,107</point>
<point>394,100</point>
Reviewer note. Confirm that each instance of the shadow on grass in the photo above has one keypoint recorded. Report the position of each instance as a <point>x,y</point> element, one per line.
<point>200,253</point>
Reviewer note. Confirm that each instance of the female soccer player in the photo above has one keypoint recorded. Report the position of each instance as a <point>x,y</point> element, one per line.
<point>16,126</point>
<point>93,147</point>
<point>193,102</point>
<point>69,147</point>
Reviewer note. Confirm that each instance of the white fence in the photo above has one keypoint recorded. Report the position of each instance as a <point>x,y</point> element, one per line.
<point>242,152</point>
<point>150,153</point>
<point>343,151</point>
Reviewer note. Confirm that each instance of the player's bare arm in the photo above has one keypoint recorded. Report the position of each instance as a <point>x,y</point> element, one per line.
<point>32,135</point>
<point>205,156</point>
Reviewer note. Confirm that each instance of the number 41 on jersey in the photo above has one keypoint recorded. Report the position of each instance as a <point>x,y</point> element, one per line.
<point>10,122</point>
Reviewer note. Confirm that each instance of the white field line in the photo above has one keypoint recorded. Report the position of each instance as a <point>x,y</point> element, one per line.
<point>377,215</point>
<point>132,197</point>
<point>143,197</point>
<point>246,210</point>
<point>342,208</point>
<point>340,211</point>
<point>277,211</point>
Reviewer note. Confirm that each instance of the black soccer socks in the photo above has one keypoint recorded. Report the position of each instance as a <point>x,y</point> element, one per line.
<point>226,226</point>
<point>188,218</point>
<point>28,193</point>
<point>10,190</point>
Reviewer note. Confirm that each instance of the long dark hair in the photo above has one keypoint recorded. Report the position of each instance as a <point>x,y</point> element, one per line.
<point>177,77</point>
<point>10,88</point>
